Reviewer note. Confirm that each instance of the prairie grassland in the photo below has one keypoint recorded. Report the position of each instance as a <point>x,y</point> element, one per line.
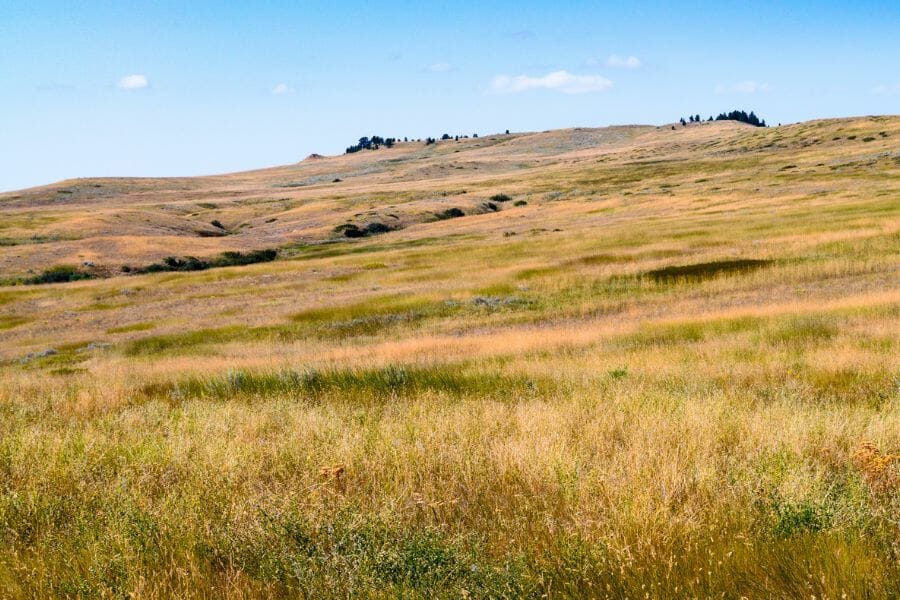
<point>672,373</point>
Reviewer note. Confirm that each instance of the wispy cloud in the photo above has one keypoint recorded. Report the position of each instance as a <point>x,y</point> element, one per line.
<point>281,89</point>
<point>133,82</point>
<point>623,62</point>
<point>560,81</point>
<point>440,67</point>
<point>886,89</point>
<point>743,87</point>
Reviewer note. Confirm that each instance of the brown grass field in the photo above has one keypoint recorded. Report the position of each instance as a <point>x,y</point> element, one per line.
<point>644,363</point>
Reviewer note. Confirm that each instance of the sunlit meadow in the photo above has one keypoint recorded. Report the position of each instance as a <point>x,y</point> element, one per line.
<point>664,365</point>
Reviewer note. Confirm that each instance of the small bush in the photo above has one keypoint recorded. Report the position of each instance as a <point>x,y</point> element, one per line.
<point>450,213</point>
<point>217,223</point>
<point>620,373</point>
<point>500,198</point>
<point>520,203</point>
<point>793,519</point>
<point>352,230</point>
<point>490,206</point>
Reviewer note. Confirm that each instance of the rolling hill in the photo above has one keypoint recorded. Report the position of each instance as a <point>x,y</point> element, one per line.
<point>620,361</point>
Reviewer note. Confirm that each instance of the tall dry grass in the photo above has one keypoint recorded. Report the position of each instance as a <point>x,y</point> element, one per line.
<point>624,408</point>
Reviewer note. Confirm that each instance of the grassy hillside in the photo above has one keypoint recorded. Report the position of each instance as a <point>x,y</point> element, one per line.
<point>644,362</point>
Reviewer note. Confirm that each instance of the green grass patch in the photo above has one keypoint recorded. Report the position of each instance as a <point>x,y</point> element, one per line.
<point>798,330</point>
<point>342,322</point>
<point>538,272</point>
<point>393,380</point>
<point>602,259</point>
<point>382,305</point>
<point>687,332</point>
<point>332,248</point>
<point>10,321</point>
<point>133,327</point>
<point>191,340</point>
<point>348,555</point>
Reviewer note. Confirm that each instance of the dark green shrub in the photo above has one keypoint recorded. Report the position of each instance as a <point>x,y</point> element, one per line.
<point>217,223</point>
<point>236,259</point>
<point>226,259</point>
<point>519,203</point>
<point>351,230</point>
<point>500,198</point>
<point>188,263</point>
<point>450,213</point>
<point>797,518</point>
<point>60,274</point>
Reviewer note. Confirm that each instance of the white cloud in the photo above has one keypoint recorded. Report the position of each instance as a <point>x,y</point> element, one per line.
<point>886,89</point>
<point>623,62</point>
<point>440,67</point>
<point>743,87</point>
<point>133,82</point>
<point>560,81</point>
<point>281,89</point>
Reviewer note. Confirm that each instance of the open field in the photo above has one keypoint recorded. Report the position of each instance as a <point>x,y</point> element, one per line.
<point>645,362</point>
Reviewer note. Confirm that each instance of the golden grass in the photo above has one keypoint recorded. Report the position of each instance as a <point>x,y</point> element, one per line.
<point>475,407</point>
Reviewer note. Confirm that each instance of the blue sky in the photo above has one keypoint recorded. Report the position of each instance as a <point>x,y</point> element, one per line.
<point>187,88</point>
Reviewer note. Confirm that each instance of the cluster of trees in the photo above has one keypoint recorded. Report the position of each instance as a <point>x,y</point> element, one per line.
<point>372,143</point>
<point>735,115</point>
<point>447,136</point>
<point>743,117</point>
<point>376,141</point>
